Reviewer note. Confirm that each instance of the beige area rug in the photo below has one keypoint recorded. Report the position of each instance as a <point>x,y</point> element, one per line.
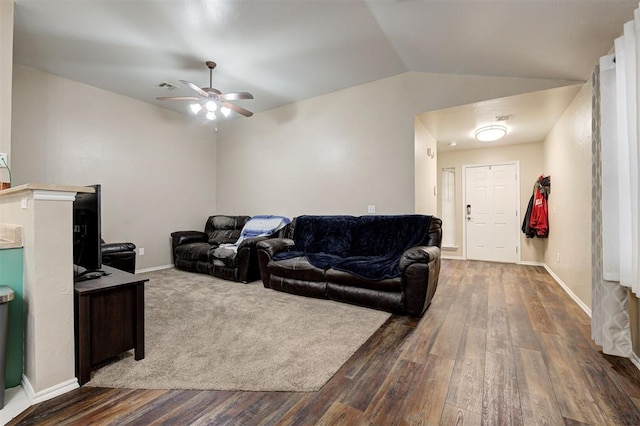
<point>205,333</point>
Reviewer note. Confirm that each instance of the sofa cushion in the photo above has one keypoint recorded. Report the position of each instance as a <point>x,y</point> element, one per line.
<point>194,251</point>
<point>193,266</point>
<point>303,288</point>
<point>297,268</point>
<point>324,234</point>
<point>228,262</point>
<point>346,278</point>
<point>391,301</point>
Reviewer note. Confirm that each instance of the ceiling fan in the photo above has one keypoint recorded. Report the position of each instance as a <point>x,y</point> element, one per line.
<point>210,100</point>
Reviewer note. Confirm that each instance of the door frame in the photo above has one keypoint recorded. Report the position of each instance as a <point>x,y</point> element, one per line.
<point>516,163</point>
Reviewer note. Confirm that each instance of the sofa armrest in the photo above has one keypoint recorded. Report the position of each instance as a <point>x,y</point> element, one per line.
<point>187,237</point>
<point>266,250</point>
<point>420,268</point>
<point>109,248</point>
<point>418,254</point>
<point>251,242</point>
<point>275,245</point>
<point>247,259</point>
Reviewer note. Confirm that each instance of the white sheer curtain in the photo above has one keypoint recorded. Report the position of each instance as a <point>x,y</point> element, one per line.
<point>620,159</point>
<point>619,94</point>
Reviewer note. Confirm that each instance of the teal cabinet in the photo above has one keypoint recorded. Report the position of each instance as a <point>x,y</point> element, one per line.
<point>11,275</point>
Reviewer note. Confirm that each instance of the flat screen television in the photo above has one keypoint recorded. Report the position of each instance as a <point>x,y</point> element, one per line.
<point>87,242</point>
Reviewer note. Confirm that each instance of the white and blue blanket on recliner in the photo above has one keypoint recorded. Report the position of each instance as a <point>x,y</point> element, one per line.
<point>257,226</point>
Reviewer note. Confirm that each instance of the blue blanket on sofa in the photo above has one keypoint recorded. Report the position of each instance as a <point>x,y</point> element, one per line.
<point>257,226</point>
<point>367,246</point>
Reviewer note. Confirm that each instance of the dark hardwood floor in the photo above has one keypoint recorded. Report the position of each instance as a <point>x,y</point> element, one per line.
<point>500,344</point>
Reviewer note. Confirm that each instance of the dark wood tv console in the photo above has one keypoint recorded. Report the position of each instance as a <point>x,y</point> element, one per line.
<point>109,319</point>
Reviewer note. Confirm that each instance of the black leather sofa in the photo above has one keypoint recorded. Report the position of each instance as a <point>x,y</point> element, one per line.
<point>120,256</point>
<point>195,251</point>
<point>391,263</point>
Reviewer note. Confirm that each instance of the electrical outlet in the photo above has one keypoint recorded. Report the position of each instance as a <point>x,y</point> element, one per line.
<point>371,209</point>
<point>4,160</point>
<point>141,251</point>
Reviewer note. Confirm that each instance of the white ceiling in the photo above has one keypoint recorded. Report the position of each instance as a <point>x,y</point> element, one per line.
<point>286,51</point>
<point>531,117</point>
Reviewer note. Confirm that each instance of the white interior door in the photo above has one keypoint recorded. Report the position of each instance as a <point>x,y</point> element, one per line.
<point>491,213</point>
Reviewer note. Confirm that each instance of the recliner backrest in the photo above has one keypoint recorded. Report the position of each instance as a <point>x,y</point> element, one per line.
<point>369,235</point>
<point>224,229</point>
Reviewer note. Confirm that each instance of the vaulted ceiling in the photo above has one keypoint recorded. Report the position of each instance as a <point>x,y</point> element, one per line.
<point>287,51</point>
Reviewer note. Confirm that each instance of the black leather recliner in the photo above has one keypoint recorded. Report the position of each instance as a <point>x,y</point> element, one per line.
<point>194,251</point>
<point>120,256</point>
<point>391,263</point>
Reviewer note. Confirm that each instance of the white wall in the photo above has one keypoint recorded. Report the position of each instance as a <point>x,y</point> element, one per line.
<point>567,151</point>
<point>531,159</point>
<point>338,153</point>
<point>426,175</point>
<point>334,154</point>
<point>157,168</point>
<point>6,70</point>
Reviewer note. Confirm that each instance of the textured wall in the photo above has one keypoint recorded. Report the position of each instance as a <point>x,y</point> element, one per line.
<point>426,175</point>
<point>157,168</point>
<point>567,151</point>
<point>340,152</point>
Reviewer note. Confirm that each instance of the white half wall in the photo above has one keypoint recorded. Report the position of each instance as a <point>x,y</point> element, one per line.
<point>157,168</point>
<point>340,152</point>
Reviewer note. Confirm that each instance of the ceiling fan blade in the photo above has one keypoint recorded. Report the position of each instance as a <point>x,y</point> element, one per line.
<point>195,88</point>
<point>237,109</point>
<point>177,98</point>
<point>235,96</point>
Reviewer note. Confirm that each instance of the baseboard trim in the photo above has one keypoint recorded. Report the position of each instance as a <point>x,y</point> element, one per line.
<point>442,256</point>
<point>51,392</point>
<point>154,268</point>
<point>530,263</point>
<point>567,290</point>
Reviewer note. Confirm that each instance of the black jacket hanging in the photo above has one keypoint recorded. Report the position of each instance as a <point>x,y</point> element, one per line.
<point>530,233</point>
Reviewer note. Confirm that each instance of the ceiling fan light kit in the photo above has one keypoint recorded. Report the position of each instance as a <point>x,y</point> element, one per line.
<point>210,100</point>
<point>490,133</point>
<point>211,106</point>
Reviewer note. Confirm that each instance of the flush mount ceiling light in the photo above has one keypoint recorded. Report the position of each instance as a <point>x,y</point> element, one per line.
<point>490,133</point>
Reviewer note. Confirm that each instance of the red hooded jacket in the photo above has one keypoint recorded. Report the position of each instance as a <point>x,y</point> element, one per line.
<point>539,220</point>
